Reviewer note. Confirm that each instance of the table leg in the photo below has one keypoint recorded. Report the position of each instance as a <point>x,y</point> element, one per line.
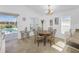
<point>44,40</point>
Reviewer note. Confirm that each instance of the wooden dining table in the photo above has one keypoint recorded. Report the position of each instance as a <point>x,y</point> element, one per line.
<point>45,34</point>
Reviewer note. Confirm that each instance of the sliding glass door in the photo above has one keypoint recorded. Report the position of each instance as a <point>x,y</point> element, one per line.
<point>8,23</point>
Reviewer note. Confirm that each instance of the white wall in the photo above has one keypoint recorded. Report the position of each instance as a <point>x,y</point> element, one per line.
<point>23,11</point>
<point>54,26</point>
<point>74,14</point>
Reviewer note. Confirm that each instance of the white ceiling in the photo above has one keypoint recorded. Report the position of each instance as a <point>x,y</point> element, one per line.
<point>57,8</point>
<point>61,8</point>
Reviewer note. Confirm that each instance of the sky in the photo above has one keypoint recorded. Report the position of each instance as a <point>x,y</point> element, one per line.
<point>5,18</point>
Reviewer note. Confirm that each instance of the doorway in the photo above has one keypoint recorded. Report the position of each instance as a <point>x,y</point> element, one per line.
<point>65,24</point>
<point>8,25</point>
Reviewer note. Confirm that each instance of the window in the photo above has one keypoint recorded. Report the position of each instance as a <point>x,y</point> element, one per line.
<point>34,22</point>
<point>7,20</point>
<point>8,24</point>
<point>65,24</point>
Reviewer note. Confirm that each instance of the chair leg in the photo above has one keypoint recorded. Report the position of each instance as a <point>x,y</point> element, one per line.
<point>38,43</point>
<point>35,41</point>
<point>53,41</point>
<point>23,38</point>
<point>50,43</point>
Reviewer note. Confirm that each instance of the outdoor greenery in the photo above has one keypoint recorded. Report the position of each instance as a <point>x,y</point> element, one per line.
<point>8,26</point>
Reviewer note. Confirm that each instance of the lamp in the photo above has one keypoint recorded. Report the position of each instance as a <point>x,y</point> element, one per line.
<point>42,21</point>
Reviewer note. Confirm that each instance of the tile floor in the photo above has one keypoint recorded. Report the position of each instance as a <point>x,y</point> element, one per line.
<point>28,46</point>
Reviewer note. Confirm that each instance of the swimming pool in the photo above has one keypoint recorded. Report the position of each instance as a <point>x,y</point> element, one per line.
<point>9,30</point>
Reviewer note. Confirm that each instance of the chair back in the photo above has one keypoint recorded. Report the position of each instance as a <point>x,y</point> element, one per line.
<point>53,32</point>
<point>67,37</point>
<point>22,33</point>
<point>25,30</point>
<point>35,32</point>
<point>50,29</point>
<point>39,29</point>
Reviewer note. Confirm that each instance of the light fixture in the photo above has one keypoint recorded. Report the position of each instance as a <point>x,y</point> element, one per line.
<point>49,10</point>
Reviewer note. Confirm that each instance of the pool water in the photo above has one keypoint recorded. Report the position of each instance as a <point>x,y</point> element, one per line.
<point>9,30</point>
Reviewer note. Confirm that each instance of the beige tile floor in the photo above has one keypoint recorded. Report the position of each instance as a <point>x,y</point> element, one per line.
<point>28,46</point>
<point>2,49</point>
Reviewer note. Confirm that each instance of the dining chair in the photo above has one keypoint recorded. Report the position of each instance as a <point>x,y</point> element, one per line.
<point>51,38</point>
<point>37,38</point>
<point>50,29</point>
<point>71,32</point>
<point>39,29</point>
<point>27,33</point>
<point>23,34</point>
<point>25,29</point>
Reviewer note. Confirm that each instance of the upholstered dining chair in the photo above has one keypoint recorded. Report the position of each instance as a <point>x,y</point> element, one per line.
<point>50,29</point>
<point>51,38</point>
<point>39,29</point>
<point>25,30</point>
<point>37,38</point>
<point>27,33</point>
<point>22,35</point>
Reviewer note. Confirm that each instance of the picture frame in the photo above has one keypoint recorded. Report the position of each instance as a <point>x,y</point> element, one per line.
<point>51,22</point>
<point>56,20</point>
<point>24,18</point>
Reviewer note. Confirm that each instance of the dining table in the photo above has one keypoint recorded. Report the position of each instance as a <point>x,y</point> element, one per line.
<point>45,34</point>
